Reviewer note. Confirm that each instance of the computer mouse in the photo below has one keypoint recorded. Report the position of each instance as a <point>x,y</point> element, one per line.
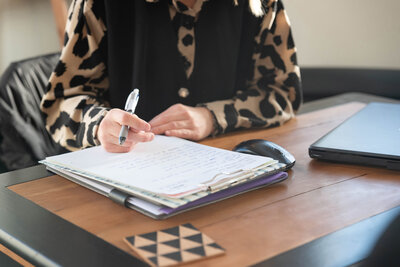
<point>266,148</point>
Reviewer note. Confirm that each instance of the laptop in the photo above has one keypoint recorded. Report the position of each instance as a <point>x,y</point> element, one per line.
<point>370,137</point>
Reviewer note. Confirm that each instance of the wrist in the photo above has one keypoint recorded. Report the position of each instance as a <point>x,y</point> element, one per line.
<point>210,121</point>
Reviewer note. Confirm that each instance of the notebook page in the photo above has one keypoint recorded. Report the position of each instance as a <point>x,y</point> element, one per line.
<point>166,165</point>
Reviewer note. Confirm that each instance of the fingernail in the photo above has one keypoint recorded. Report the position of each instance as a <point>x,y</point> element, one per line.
<point>148,138</point>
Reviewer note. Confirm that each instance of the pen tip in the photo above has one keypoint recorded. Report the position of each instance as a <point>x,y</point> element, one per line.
<point>122,140</point>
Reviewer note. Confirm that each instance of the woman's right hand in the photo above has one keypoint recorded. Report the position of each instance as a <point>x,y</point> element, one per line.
<point>110,126</point>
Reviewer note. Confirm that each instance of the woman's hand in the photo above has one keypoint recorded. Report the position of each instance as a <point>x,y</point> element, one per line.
<point>194,123</point>
<point>110,126</point>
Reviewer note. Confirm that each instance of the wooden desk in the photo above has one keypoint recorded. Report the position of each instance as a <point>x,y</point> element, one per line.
<point>317,199</point>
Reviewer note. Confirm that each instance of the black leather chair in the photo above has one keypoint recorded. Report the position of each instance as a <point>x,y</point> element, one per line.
<point>23,137</point>
<point>324,82</point>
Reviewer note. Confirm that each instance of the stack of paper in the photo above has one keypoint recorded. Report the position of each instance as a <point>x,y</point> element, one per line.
<point>167,175</point>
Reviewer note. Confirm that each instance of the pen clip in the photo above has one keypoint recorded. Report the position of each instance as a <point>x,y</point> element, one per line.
<point>238,176</point>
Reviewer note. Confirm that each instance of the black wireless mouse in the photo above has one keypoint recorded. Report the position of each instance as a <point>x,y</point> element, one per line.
<point>266,148</point>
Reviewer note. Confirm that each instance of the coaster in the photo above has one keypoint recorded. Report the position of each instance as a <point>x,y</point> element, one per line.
<point>179,244</point>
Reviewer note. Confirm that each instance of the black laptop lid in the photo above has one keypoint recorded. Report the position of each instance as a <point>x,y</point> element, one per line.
<point>371,136</point>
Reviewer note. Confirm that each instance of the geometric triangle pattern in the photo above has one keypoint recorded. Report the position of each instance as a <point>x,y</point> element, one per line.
<point>175,245</point>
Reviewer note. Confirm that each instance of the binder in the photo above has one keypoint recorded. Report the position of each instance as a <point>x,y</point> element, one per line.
<point>80,167</point>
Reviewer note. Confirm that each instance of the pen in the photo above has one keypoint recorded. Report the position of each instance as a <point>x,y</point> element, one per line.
<point>130,107</point>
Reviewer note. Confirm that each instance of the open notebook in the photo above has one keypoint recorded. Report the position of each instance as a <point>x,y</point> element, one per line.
<point>167,175</point>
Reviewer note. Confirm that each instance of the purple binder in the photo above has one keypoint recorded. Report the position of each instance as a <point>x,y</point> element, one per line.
<point>229,192</point>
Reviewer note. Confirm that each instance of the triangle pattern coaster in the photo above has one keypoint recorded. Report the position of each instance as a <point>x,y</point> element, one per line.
<point>175,245</point>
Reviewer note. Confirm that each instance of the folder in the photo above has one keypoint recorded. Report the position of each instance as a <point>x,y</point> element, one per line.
<point>167,176</point>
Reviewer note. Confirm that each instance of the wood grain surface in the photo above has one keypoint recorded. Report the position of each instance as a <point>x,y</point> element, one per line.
<point>318,198</point>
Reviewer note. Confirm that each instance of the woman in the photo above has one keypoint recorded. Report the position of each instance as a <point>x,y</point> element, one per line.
<point>203,67</point>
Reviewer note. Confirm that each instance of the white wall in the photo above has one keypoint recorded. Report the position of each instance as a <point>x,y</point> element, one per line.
<point>27,29</point>
<point>341,33</point>
<point>349,33</point>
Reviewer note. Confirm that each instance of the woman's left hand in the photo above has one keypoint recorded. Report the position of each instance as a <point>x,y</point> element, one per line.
<point>194,123</point>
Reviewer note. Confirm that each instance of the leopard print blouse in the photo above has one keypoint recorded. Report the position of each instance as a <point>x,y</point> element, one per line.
<point>73,108</point>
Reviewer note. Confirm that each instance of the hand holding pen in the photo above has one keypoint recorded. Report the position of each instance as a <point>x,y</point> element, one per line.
<point>120,130</point>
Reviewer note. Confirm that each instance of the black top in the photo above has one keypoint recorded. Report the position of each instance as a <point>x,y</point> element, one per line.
<point>223,59</point>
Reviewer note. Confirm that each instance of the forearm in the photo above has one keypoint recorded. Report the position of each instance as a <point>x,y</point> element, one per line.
<point>259,109</point>
<point>73,122</point>
<point>75,103</point>
<point>273,94</point>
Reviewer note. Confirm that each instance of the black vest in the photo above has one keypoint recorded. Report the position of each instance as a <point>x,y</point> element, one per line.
<point>142,53</point>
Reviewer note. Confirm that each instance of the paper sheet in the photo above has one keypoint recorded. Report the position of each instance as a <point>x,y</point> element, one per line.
<point>166,165</point>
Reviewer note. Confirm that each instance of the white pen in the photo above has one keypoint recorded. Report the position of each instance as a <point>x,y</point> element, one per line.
<point>130,107</point>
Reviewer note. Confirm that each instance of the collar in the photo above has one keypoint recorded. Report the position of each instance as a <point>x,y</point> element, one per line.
<point>182,8</point>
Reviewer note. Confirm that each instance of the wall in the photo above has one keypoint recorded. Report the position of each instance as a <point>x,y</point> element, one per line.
<point>350,33</point>
<point>26,29</point>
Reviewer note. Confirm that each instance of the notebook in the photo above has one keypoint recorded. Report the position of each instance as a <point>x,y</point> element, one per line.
<point>168,175</point>
<point>370,137</point>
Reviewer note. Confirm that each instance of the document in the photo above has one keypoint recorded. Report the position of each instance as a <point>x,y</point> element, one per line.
<point>168,175</point>
<point>167,166</point>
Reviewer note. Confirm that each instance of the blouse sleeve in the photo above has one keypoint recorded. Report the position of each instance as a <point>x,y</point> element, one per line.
<point>274,94</point>
<point>74,104</point>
